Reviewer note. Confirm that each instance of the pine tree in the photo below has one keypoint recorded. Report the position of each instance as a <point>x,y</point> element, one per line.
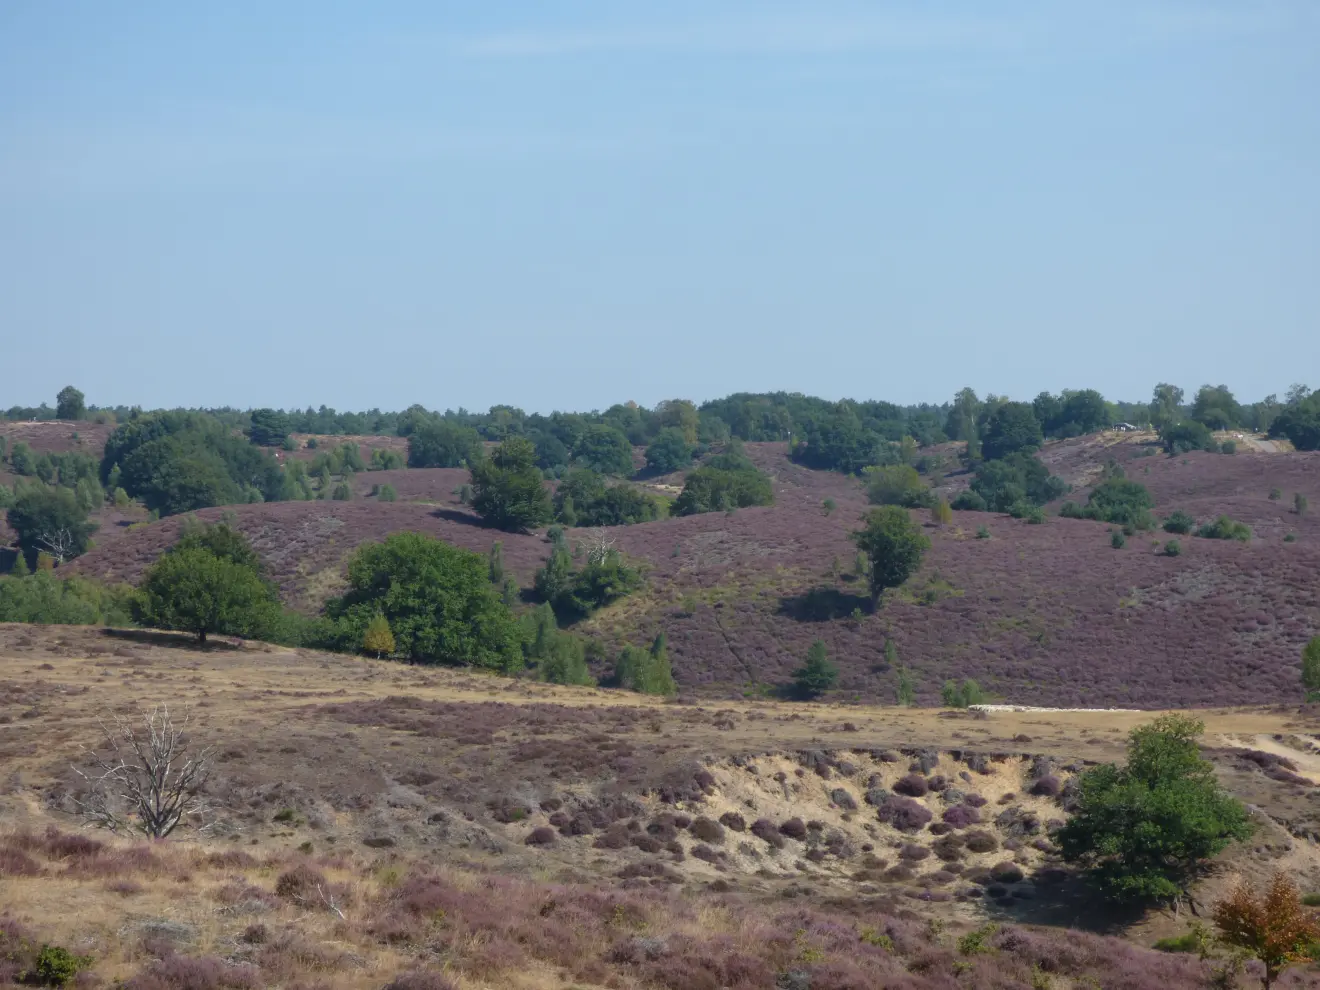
<point>817,675</point>
<point>1311,669</point>
<point>378,638</point>
<point>496,563</point>
<point>907,690</point>
<point>20,568</point>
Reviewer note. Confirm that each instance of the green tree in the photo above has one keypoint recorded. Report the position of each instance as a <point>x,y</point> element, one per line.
<point>508,491</point>
<point>1311,669</point>
<point>604,450</point>
<point>69,404</point>
<point>1299,423</point>
<point>1011,427</point>
<point>1166,406</point>
<point>436,598</point>
<point>48,519</point>
<point>269,428</point>
<point>893,544</point>
<point>681,415</point>
<point>377,637</point>
<point>195,591</point>
<point>1012,479</point>
<point>559,657</point>
<point>906,692</point>
<point>897,484</point>
<point>1119,500</point>
<point>437,443</point>
<point>1179,522</point>
<point>669,451</point>
<point>817,675</point>
<point>1144,831</point>
<point>712,488</point>
<point>554,580</point>
<point>1186,435</point>
<point>495,563</point>
<point>646,671</point>
<point>1216,407</point>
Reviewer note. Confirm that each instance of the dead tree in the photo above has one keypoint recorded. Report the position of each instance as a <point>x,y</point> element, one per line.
<point>59,543</point>
<point>144,780</point>
<point>599,546</point>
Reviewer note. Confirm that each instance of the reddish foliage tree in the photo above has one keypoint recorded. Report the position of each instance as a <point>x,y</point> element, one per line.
<point>1273,927</point>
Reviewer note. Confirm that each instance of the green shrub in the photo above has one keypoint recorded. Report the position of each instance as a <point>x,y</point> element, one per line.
<point>1290,538</point>
<point>897,484</point>
<point>1300,503</point>
<point>1187,435</point>
<point>1228,447</point>
<point>46,599</point>
<point>1179,522</point>
<point>1275,494</point>
<point>1172,549</point>
<point>57,966</point>
<point>1117,540</point>
<point>342,492</point>
<point>1311,900</point>
<point>968,501</point>
<point>955,695</point>
<point>1225,528</point>
<point>646,671</point>
<point>715,489</point>
<point>1190,942</point>
<point>1071,510</point>
<point>982,533</point>
<point>386,493</point>
<point>1118,500</point>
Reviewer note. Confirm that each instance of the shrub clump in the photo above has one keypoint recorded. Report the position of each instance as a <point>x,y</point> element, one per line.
<point>795,829</point>
<point>961,816</point>
<point>913,785</point>
<point>543,835</point>
<point>707,830</point>
<point>1047,786</point>
<point>904,814</point>
<point>980,842</point>
<point>733,821</point>
<point>765,830</point>
<point>302,884</point>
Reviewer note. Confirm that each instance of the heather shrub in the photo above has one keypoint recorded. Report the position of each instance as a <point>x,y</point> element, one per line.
<point>733,821</point>
<point>913,785</point>
<point>301,885</point>
<point>980,842</point>
<point>176,972</point>
<point>1007,872</point>
<point>765,830</point>
<point>913,853</point>
<point>16,863</point>
<point>795,829</point>
<point>541,836</point>
<point>1047,786</point>
<point>961,816</point>
<point>707,830</point>
<point>904,814</point>
<point>421,980</point>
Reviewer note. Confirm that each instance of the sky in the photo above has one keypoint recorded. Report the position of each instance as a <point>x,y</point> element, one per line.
<point>566,205</point>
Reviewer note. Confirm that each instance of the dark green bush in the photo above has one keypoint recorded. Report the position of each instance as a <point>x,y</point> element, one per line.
<point>1179,522</point>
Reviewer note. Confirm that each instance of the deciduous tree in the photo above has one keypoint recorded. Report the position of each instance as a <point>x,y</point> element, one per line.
<point>1273,926</point>
<point>894,546</point>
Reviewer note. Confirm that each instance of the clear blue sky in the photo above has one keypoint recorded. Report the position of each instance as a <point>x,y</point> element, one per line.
<point>563,205</point>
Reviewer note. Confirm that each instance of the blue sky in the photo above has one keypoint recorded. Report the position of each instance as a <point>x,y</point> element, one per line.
<point>564,205</point>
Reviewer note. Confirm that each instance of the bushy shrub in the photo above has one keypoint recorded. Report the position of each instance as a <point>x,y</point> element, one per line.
<point>714,489</point>
<point>961,816</point>
<point>898,484</point>
<point>767,832</point>
<point>795,829</point>
<point>1016,478</point>
<point>707,830</point>
<point>904,814</point>
<point>1179,522</point>
<point>733,821</point>
<point>1187,435</point>
<point>1172,549</point>
<point>1117,540</point>
<point>980,842</point>
<point>1047,786</point>
<point>913,785</point>
<point>1118,500</point>
<point>1225,528</point>
<point>968,501</point>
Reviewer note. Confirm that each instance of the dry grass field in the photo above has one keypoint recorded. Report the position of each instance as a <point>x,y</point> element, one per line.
<point>378,825</point>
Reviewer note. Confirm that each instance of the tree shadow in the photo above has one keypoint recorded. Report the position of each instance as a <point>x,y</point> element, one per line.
<point>1064,899</point>
<point>466,518</point>
<point>169,640</point>
<point>823,604</point>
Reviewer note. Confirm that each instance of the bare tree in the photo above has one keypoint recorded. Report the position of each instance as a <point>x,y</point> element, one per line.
<point>59,543</point>
<point>144,780</point>
<point>599,545</point>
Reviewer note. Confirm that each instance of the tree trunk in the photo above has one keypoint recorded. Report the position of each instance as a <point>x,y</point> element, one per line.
<point>201,635</point>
